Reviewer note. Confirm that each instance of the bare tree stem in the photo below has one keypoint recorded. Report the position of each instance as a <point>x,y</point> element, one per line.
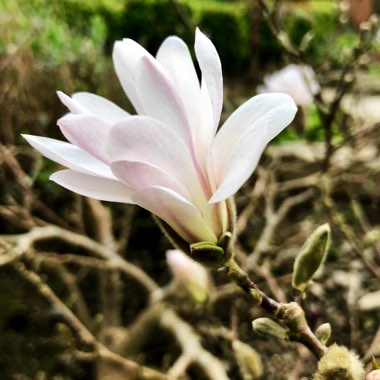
<point>289,314</point>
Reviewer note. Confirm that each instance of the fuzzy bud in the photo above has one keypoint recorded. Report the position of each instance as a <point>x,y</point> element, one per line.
<point>267,327</point>
<point>311,257</point>
<point>248,360</point>
<point>323,333</point>
<point>339,362</point>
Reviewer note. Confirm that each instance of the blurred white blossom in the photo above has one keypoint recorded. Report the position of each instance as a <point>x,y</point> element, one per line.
<point>297,81</point>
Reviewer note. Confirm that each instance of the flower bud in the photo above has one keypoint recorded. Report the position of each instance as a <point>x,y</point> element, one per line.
<point>371,237</point>
<point>248,360</point>
<point>339,362</point>
<point>311,257</point>
<point>374,375</point>
<point>285,41</point>
<point>323,332</point>
<point>267,327</point>
<point>190,274</point>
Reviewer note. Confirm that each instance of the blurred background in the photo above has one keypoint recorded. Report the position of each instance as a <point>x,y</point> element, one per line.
<point>332,149</point>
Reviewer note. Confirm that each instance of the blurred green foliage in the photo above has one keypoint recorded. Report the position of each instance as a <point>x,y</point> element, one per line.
<point>52,37</point>
<point>159,17</point>
<point>226,24</point>
<point>66,44</point>
<point>82,29</point>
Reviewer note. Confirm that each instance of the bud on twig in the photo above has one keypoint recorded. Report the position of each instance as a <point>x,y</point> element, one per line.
<point>311,257</point>
<point>285,41</point>
<point>248,360</point>
<point>375,363</point>
<point>267,327</point>
<point>192,275</point>
<point>374,375</point>
<point>323,333</point>
<point>305,42</point>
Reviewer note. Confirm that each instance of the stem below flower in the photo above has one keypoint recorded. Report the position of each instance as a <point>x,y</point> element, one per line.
<point>289,314</point>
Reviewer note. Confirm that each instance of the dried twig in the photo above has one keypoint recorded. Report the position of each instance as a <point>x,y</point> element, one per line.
<point>131,369</point>
<point>24,242</point>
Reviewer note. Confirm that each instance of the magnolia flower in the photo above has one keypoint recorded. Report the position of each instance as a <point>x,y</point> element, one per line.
<point>169,158</point>
<point>294,80</point>
<point>189,273</point>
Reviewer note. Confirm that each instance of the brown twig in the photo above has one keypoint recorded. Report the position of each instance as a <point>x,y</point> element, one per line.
<point>25,241</point>
<point>273,220</point>
<point>192,352</point>
<point>290,314</point>
<point>85,337</point>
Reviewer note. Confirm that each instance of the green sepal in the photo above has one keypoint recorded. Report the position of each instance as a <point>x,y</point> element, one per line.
<point>375,363</point>
<point>207,253</point>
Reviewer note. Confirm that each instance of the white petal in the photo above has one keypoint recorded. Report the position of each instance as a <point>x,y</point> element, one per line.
<point>141,174</point>
<point>297,81</point>
<point>176,211</point>
<point>91,104</point>
<point>175,58</point>
<point>88,133</point>
<point>94,187</point>
<point>206,130</point>
<point>69,155</point>
<point>215,216</point>
<point>211,68</point>
<point>160,99</point>
<point>73,106</point>
<point>240,142</point>
<point>126,56</point>
<point>142,139</point>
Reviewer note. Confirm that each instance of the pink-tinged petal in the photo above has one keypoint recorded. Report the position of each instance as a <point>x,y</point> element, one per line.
<point>240,142</point>
<point>126,57</point>
<point>160,98</point>
<point>206,129</point>
<point>94,187</point>
<point>216,217</point>
<point>142,139</point>
<point>88,133</point>
<point>85,103</point>
<point>211,69</point>
<point>175,58</point>
<point>176,211</point>
<point>73,106</point>
<point>141,174</point>
<point>192,275</point>
<point>69,155</point>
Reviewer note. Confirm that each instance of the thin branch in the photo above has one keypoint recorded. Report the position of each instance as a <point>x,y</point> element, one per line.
<point>273,220</point>
<point>131,369</point>
<point>160,315</point>
<point>25,241</point>
<point>290,314</point>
